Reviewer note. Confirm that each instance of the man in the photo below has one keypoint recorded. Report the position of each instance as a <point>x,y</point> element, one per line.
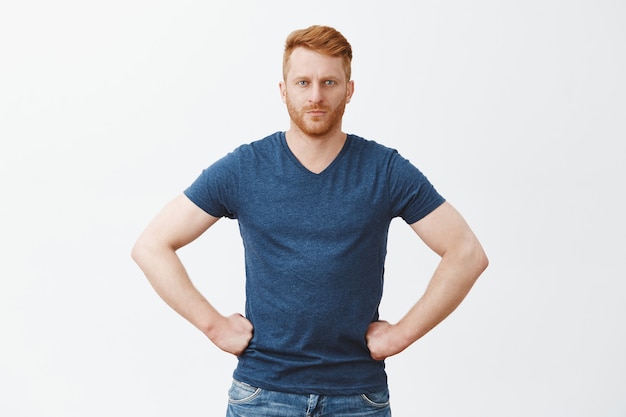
<point>314,206</point>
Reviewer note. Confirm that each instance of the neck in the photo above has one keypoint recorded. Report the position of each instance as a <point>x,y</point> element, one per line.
<point>315,153</point>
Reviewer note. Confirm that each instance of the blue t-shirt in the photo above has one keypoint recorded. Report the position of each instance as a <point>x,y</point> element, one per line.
<point>315,247</point>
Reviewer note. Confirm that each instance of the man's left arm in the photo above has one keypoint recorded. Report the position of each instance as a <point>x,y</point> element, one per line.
<point>462,261</point>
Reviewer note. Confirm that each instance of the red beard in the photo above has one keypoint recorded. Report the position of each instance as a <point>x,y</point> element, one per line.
<point>316,126</point>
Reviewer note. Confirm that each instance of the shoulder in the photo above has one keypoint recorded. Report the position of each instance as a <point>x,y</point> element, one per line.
<point>396,167</point>
<point>369,146</point>
<point>372,151</point>
<point>250,151</point>
<point>268,144</point>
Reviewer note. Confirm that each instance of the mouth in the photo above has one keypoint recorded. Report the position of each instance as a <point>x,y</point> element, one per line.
<point>316,112</point>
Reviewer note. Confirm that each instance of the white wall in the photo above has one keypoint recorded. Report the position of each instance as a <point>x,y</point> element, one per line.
<point>515,110</point>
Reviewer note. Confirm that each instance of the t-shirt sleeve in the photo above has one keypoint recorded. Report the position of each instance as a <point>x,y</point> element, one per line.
<point>413,197</point>
<point>216,188</point>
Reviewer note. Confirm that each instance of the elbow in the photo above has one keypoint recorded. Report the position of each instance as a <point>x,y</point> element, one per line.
<point>479,258</point>
<point>472,259</point>
<point>139,251</point>
<point>147,250</point>
<point>484,262</point>
<point>136,252</point>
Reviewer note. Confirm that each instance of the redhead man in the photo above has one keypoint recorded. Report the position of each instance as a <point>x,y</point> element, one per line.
<point>314,205</point>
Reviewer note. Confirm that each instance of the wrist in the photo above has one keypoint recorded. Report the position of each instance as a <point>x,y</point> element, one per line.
<point>213,325</point>
<point>404,335</point>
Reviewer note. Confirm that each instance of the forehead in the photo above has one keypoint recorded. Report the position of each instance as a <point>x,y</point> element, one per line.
<point>306,62</point>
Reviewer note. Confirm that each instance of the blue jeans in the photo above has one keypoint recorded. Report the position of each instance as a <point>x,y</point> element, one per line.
<point>247,401</point>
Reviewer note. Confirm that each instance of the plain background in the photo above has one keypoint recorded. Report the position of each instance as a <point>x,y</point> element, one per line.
<point>515,110</point>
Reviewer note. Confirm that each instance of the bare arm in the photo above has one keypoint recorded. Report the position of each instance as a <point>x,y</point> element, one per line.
<point>179,223</point>
<point>462,261</point>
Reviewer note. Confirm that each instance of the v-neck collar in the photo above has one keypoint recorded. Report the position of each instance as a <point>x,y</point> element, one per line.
<point>294,159</point>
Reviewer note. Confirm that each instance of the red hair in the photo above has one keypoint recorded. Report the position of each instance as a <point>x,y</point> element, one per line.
<point>322,39</point>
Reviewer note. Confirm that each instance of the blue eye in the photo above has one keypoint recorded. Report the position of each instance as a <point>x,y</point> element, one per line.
<point>302,83</point>
<point>330,82</point>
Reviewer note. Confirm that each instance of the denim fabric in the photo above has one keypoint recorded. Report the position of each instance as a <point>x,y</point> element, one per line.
<point>247,401</point>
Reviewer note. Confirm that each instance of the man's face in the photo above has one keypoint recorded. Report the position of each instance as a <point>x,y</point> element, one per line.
<point>316,92</point>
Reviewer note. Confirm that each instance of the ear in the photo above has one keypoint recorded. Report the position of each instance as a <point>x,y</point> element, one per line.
<point>349,91</point>
<point>283,91</point>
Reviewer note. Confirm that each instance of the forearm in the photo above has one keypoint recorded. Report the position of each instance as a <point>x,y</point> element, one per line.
<point>450,284</point>
<point>167,275</point>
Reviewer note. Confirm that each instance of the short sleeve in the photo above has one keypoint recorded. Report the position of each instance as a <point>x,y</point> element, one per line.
<point>216,189</point>
<point>412,195</point>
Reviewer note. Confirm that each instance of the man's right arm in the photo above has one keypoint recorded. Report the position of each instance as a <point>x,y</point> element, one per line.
<point>179,223</point>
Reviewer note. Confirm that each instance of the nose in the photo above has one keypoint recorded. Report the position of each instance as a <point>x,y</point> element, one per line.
<point>315,93</point>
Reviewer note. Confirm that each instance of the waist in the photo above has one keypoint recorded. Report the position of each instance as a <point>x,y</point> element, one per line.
<point>311,373</point>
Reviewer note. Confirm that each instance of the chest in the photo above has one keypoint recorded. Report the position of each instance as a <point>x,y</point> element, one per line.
<point>341,202</point>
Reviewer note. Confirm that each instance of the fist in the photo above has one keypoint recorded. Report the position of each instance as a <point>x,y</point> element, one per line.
<point>383,340</point>
<point>233,334</point>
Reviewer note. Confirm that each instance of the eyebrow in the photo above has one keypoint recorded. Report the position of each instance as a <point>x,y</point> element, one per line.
<point>325,77</point>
